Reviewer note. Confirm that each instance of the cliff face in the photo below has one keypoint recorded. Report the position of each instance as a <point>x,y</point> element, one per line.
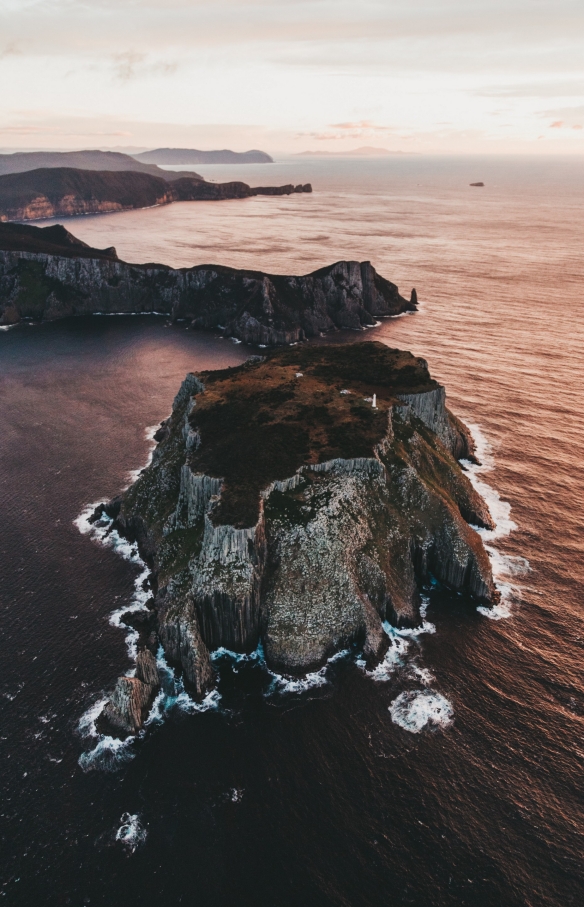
<point>65,191</point>
<point>282,507</point>
<point>248,305</point>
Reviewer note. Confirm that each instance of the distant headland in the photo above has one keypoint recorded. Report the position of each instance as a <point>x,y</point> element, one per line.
<point>182,156</point>
<point>22,161</point>
<point>66,191</point>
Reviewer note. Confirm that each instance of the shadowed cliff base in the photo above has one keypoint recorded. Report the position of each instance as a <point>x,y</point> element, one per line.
<point>257,308</point>
<point>298,501</point>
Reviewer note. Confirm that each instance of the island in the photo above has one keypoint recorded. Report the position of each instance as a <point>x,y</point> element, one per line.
<point>189,156</point>
<point>47,273</point>
<point>296,502</point>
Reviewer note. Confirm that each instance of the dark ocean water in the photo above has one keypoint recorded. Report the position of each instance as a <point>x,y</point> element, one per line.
<point>320,797</point>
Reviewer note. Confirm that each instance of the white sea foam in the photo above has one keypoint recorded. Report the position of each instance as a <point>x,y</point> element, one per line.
<point>399,644</point>
<point>126,314</point>
<point>282,683</point>
<point>131,832</point>
<point>149,434</point>
<point>187,704</point>
<point>503,565</point>
<point>422,674</point>
<point>108,755</point>
<point>417,710</point>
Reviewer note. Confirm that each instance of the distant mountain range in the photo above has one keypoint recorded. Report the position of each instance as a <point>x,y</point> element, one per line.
<point>365,151</point>
<point>181,156</point>
<point>67,191</point>
<point>21,161</point>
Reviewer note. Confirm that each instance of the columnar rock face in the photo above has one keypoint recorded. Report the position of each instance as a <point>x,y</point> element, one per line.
<point>305,517</point>
<point>247,305</point>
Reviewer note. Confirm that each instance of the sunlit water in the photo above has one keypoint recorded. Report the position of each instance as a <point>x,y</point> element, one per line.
<point>453,774</point>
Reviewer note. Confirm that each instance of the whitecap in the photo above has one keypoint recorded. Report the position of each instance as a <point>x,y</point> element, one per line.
<point>131,832</point>
<point>417,710</point>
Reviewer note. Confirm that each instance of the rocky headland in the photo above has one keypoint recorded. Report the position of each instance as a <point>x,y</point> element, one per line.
<point>46,273</point>
<point>67,191</point>
<point>297,501</point>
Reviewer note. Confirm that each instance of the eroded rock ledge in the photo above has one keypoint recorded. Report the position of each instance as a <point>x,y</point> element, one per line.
<point>282,507</point>
<point>65,277</point>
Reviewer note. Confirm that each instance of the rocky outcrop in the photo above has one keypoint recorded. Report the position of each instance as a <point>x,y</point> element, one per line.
<point>304,517</point>
<point>247,305</point>
<point>132,696</point>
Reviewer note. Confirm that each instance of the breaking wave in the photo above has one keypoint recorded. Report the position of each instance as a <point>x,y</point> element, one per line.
<point>417,710</point>
<point>131,832</point>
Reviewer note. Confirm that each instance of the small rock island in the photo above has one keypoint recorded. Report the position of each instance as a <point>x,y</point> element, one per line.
<point>298,501</point>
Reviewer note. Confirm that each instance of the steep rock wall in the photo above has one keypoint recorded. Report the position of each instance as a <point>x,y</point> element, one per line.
<point>250,306</point>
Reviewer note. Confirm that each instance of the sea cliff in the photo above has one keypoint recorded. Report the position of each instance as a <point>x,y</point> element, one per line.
<point>65,277</point>
<point>298,502</point>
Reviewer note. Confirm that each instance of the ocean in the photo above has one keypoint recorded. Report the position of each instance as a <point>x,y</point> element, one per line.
<point>450,776</point>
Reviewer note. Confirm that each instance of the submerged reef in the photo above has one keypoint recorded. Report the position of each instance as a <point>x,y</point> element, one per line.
<point>298,501</point>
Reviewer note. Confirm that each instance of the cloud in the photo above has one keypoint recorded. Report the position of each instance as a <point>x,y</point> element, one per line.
<point>131,65</point>
<point>329,70</point>
<point>559,124</point>
<point>361,126</point>
<point>565,117</point>
<point>10,50</point>
<point>125,64</point>
<point>551,88</point>
<point>28,130</point>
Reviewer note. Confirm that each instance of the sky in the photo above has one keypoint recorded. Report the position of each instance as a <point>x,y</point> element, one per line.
<point>426,76</point>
